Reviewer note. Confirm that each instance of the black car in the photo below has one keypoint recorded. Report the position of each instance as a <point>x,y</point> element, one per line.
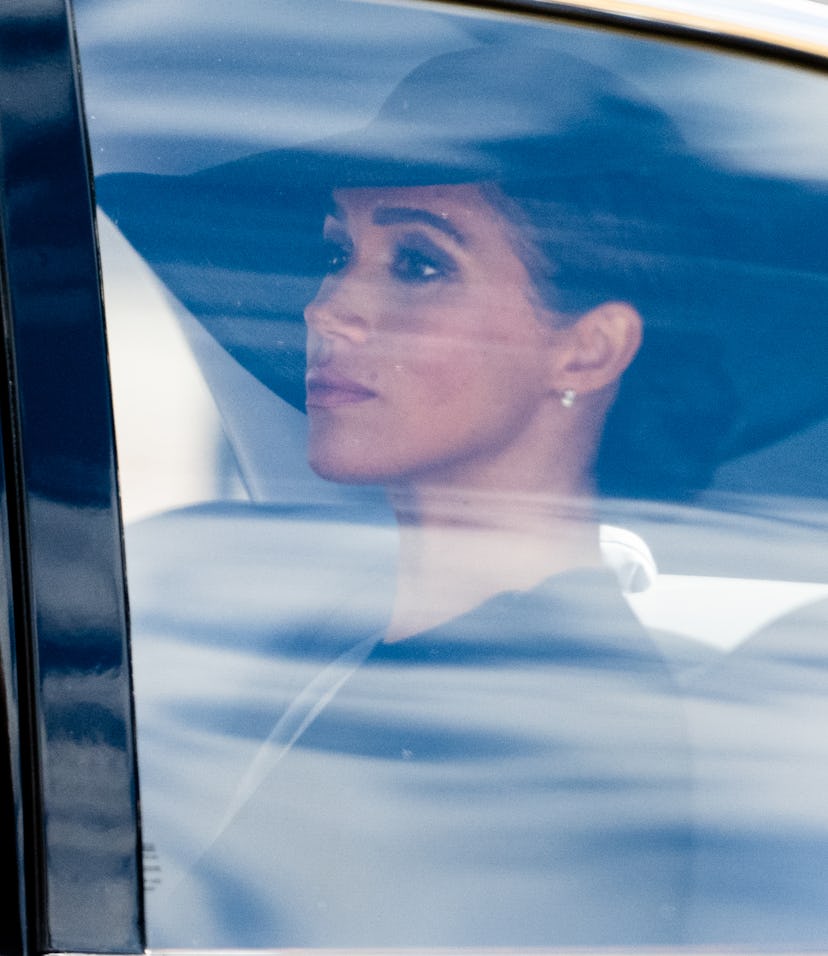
<point>414,527</point>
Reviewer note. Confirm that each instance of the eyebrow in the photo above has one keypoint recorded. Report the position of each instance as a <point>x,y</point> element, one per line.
<point>392,215</point>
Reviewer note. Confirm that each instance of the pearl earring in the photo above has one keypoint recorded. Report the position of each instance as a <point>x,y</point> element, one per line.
<point>568,397</point>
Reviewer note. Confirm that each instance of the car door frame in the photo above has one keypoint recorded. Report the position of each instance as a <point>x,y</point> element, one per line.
<point>72,769</point>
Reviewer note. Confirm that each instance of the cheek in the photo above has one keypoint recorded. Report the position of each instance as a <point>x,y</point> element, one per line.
<point>474,344</point>
<point>440,369</point>
<point>451,385</point>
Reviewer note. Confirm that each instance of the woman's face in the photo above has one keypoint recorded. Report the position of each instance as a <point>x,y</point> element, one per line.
<point>426,345</point>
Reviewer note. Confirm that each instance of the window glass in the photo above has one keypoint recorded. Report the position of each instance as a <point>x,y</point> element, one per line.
<point>471,405</point>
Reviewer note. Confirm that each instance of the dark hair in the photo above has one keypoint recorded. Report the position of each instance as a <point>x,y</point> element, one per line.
<point>631,241</point>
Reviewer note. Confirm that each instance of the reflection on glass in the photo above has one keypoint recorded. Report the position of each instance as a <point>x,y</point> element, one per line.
<point>401,699</point>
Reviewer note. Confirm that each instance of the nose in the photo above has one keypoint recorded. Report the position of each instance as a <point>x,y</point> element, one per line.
<point>340,309</point>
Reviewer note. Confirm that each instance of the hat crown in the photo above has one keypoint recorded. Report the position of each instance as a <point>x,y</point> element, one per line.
<point>478,109</point>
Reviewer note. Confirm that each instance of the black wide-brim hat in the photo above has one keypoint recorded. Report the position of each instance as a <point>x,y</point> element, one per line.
<point>730,271</point>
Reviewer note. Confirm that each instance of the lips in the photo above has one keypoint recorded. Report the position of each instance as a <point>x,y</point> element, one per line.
<point>331,390</point>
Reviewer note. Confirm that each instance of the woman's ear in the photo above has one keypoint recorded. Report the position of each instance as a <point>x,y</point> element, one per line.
<point>597,348</point>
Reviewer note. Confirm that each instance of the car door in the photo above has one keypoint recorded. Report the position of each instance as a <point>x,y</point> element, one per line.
<point>191,611</point>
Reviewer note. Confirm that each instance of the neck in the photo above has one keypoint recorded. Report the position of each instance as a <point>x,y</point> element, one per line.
<point>458,549</point>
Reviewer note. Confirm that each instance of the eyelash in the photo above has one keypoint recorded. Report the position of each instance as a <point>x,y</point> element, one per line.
<point>416,267</point>
<point>336,257</point>
<point>410,265</point>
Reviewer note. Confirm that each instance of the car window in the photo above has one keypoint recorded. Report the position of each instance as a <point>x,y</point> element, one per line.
<point>472,419</point>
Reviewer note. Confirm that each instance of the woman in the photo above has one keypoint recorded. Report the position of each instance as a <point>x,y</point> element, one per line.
<point>465,774</point>
<point>480,309</point>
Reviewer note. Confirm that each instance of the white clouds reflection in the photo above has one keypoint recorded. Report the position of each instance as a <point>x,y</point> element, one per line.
<point>225,85</point>
<point>754,116</point>
<point>192,85</point>
<point>483,792</point>
<point>749,114</point>
<point>534,778</point>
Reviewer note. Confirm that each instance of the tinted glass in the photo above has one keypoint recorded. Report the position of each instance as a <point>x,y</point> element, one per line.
<point>471,400</point>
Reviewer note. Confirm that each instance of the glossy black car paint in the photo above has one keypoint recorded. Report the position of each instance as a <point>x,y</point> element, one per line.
<point>77,794</point>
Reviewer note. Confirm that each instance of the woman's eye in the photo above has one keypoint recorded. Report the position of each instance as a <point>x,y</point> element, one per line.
<point>336,256</point>
<point>412,265</point>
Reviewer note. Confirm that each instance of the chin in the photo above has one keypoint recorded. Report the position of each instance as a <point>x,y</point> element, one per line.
<point>350,458</point>
<point>344,469</point>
